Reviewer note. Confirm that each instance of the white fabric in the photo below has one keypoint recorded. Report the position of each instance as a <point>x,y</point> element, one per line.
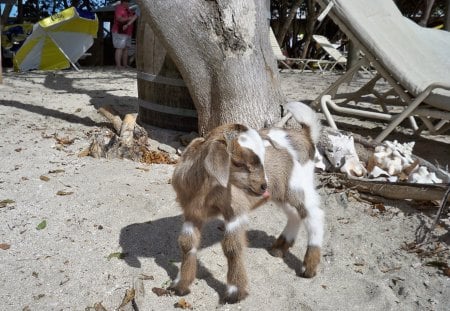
<point>414,55</point>
<point>275,47</point>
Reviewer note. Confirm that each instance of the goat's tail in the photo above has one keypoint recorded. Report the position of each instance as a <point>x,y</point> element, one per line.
<point>305,115</point>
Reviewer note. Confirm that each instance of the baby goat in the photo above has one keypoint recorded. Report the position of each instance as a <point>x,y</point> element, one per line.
<point>232,171</point>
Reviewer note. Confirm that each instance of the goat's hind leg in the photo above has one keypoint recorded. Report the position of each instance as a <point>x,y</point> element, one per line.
<point>314,222</point>
<point>287,238</point>
<point>233,244</point>
<point>189,241</point>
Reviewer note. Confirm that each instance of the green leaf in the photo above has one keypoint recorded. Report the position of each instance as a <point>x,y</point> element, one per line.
<point>117,255</point>
<point>42,225</point>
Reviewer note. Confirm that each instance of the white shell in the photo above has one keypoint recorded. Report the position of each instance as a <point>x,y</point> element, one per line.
<point>353,166</point>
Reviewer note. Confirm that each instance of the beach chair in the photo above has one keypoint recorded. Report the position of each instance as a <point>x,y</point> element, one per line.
<point>412,59</point>
<point>279,56</point>
<point>335,55</point>
<point>302,64</point>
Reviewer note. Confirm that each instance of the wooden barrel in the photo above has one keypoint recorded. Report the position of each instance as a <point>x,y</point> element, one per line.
<point>164,99</point>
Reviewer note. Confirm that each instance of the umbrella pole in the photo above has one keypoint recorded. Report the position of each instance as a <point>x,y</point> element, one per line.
<point>65,55</point>
<point>1,68</point>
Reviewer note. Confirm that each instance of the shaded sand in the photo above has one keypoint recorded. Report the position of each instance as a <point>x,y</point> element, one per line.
<point>119,206</point>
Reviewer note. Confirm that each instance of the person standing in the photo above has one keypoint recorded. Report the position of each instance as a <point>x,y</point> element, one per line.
<point>122,31</point>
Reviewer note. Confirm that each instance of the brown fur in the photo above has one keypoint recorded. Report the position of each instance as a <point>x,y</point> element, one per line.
<point>217,176</point>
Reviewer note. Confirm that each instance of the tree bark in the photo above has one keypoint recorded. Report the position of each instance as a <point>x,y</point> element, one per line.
<point>222,51</point>
<point>447,15</point>
<point>428,5</point>
<point>310,21</point>
<point>287,23</point>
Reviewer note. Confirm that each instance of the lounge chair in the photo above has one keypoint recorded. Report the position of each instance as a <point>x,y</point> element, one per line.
<point>335,55</point>
<point>413,60</point>
<point>279,56</point>
<point>303,64</point>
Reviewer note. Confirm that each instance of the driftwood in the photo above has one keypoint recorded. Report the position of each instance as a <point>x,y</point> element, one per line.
<point>129,141</point>
<point>396,190</point>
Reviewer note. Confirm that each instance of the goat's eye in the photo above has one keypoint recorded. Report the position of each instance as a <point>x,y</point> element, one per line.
<point>239,164</point>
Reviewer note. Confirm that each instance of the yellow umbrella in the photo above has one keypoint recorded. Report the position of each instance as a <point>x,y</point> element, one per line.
<point>57,41</point>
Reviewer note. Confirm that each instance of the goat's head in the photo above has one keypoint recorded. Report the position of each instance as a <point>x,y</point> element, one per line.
<point>236,156</point>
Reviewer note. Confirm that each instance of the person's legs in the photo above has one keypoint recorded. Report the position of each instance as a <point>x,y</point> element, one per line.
<point>125,57</point>
<point>118,57</point>
<point>120,44</point>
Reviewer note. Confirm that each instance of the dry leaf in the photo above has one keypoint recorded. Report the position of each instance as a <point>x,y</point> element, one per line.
<point>145,277</point>
<point>56,171</point>
<point>4,203</point>
<point>143,169</point>
<point>44,178</point>
<point>129,296</point>
<point>18,150</point>
<point>64,140</point>
<point>380,207</point>
<point>64,192</point>
<point>446,272</point>
<point>84,153</point>
<point>99,307</point>
<point>4,246</point>
<point>183,304</point>
<point>156,157</point>
<point>161,291</point>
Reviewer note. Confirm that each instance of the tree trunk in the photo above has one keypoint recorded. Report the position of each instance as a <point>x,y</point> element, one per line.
<point>287,23</point>
<point>222,51</point>
<point>310,21</point>
<point>6,11</point>
<point>427,12</point>
<point>447,15</point>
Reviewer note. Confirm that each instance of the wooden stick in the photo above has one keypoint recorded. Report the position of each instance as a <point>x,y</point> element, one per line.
<point>127,129</point>
<point>398,191</point>
<point>112,115</point>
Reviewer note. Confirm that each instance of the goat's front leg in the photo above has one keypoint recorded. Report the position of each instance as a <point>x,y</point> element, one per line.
<point>233,245</point>
<point>189,241</point>
<point>287,238</point>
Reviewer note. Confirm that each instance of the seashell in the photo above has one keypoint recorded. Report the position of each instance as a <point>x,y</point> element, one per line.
<point>378,172</point>
<point>319,161</point>
<point>337,146</point>
<point>353,166</point>
<point>423,176</point>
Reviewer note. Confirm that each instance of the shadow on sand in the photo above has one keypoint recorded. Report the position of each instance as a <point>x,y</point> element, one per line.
<point>158,239</point>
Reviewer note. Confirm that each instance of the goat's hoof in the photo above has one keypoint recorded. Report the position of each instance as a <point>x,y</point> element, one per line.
<point>180,290</point>
<point>309,273</point>
<point>235,296</point>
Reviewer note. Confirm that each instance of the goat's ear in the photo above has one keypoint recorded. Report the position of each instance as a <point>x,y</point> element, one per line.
<point>271,141</point>
<point>217,163</point>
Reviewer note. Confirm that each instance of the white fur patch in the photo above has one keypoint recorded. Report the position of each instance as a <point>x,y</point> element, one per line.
<point>236,223</point>
<point>314,226</point>
<point>193,251</point>
<point>304,114</point>
<point>187,228</point>
<point>251,140</point>
<point>177,280</point>
<point>231,289</point>
<point>293,223</point>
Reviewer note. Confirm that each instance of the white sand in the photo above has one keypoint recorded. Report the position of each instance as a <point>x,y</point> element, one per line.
<point>118,207</point>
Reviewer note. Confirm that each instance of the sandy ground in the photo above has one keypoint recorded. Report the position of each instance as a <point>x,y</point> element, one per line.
<point>120,206</point>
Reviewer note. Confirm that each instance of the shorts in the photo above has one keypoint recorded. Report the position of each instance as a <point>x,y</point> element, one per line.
<point>120,40</point>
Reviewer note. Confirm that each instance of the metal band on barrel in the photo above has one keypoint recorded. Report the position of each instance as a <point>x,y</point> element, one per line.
<point>167,109</point>
<point>160,79</point>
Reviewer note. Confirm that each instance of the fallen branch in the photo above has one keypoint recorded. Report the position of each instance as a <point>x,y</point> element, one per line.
<point>397,191</point>
<point>112,115</point>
